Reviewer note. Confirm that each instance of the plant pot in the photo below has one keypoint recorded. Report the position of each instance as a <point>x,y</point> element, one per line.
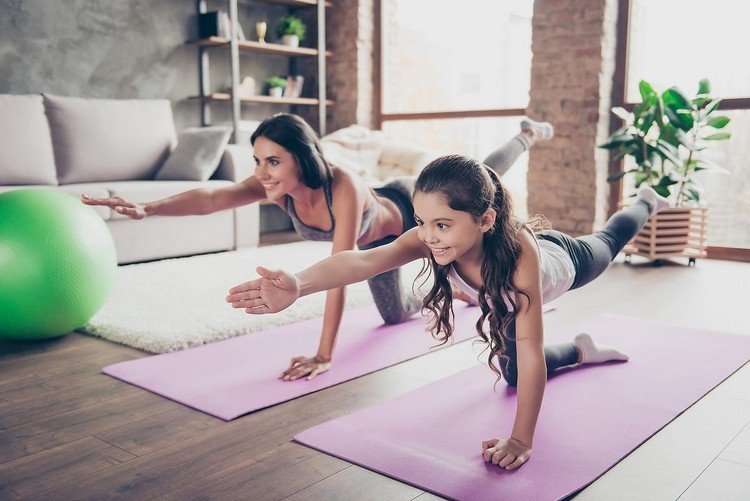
<point>674,232</point>
<point>290,40</point>
<point>275,91</point>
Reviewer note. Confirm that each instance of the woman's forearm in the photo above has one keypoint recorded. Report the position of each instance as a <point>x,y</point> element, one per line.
<point>532,378</point>
<point>334,310</point>
<point>193,202</point>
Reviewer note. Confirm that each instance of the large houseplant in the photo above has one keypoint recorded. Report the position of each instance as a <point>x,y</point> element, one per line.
<point>665,136</point>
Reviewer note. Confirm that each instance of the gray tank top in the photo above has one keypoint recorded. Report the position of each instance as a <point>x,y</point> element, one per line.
<point>318,235</point>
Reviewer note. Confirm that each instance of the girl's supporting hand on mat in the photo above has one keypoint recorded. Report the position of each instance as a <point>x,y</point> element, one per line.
<point>276,290</point>
<point>304,366</point>
<point>508,454</point>
<point>119,205</point>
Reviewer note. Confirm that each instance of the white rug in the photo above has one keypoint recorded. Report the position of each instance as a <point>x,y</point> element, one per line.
<point>178,303</point>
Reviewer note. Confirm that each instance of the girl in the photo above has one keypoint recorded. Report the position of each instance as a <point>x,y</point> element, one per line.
<point>466,230</point>
<point>325,203</point>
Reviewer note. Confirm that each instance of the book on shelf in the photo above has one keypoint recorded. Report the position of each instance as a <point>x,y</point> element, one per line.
<point>294,84</point>
<point>217,24</point>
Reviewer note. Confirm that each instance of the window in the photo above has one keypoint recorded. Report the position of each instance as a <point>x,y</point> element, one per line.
<point>454,81</point>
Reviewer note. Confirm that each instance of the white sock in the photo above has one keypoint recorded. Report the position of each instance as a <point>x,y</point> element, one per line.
<point>593,353</point>
<point>657,202</point>
<point>540,130</point>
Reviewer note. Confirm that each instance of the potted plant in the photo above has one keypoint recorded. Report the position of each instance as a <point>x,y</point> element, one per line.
<point>665,135</point>
<point>290,29</point>
<point>276,86</point>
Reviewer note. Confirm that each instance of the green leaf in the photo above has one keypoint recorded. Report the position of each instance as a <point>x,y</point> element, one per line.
<point>712,106</point>
<point>684,122</point>
<point>719,136</point>
<point>615,176</point>
<point>666,181</point>
<point>718,122</point>
<point>662,190</point>
<point>646,123</point>
<point>618,140</point>
<point>676,99</point>
<point>622,113</point>
<point>710,167</point>
<point>647,91</point>
<point>704,86</point>
<point>701,100</point>
<point>669,152</point>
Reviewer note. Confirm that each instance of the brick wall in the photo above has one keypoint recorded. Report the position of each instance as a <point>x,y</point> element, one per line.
<point>571,83</point>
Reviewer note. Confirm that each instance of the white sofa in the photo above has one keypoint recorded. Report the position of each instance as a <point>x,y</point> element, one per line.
<point>106,148</point>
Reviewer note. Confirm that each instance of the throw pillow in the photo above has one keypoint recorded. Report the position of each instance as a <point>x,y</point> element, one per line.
<point>197,155</point>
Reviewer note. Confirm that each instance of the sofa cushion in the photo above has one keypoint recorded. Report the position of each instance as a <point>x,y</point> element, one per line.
<point>109,140</point>
<point>25,145</point>
<point>197,155</point>
<point>149,191</point>
<point>92,190</point>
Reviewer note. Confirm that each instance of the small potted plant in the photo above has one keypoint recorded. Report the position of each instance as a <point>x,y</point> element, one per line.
<point>276,86</point>
<point>290,29</point>
<point>665,135</point>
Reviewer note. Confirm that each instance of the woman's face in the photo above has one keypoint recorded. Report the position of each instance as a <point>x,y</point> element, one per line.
<point>276,168</point>
<point>450,234</point>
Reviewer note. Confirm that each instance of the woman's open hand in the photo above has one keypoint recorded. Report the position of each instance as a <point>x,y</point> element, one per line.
<point>305,366</point>
<point>119,205</point>
<point>274,291</point>
<point>508,454</point>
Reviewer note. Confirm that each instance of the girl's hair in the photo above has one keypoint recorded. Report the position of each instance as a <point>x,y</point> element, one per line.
<point>468,186</point>
<point>297,137</point>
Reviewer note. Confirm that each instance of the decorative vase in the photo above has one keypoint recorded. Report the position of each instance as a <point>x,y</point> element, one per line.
<point>275,91</point>
<point>290,40</point>
<point>260,29</point>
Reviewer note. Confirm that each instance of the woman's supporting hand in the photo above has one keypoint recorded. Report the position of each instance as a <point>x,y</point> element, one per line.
<point>119,205</point>
<point>274,291</point>
<point>508,454</point>
<point>305,366</point>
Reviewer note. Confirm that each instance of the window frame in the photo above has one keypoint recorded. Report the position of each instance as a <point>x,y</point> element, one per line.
<point>381,117</point>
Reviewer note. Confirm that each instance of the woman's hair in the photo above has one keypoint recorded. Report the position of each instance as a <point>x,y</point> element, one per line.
<point>297,137</point>
<point>468,186</point>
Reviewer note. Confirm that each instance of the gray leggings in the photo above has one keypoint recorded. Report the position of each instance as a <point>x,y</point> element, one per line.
<point>591,255</point>
<point>393,302</point>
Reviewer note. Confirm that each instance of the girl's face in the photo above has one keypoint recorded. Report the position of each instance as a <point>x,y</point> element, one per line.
<point>450,234</point>
<point>276,168</point>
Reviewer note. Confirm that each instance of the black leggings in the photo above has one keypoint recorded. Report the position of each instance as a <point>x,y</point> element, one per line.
<point>591,254</point>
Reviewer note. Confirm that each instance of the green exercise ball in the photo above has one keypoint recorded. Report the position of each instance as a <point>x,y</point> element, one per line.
<point>57,264</point>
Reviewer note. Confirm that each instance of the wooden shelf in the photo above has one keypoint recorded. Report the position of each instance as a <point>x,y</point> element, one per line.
<point>291,3</point>
<point>264,48</point>
<point>223,96</point>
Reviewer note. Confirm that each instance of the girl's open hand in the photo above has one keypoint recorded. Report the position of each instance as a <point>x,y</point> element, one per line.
<point>274,291</point>
<point>304,366</point>
<point>119,205</point>
<point>508,454</point>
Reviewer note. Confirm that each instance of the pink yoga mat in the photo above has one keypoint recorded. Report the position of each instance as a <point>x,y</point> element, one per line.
<point>591,417</point>
<point>233,377</point>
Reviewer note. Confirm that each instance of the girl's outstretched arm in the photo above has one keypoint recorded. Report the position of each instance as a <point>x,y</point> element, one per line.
<point>532,370</point>
<point>276,290</point>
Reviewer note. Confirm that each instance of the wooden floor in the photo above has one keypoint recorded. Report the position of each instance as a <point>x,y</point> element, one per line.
<point>69,432</point>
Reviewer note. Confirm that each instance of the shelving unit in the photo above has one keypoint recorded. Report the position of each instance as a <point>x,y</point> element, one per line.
<point>207,97</point>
